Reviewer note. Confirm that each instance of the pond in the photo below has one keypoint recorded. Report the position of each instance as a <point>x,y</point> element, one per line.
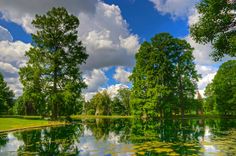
<point>124,137</point>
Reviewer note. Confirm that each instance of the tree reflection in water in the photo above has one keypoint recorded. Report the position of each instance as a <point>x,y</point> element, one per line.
<point>133,137</point>
<point>50,141</point>
<point>3,140</point>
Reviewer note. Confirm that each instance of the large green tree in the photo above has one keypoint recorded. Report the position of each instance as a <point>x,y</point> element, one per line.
<point>223,88</point>
<point>164,77</point>
<point>52,78</point>
<point>6,96</point>
<point>216,25</point>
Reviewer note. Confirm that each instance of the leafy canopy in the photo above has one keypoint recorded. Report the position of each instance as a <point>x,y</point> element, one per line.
<point>216,25</point>
<point>222,91</point>
<point>164,77</point>
<point>52,78</point>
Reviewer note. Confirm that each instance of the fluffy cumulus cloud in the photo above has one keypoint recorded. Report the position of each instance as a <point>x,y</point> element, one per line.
<point>121,75</point>
<point>95,79</point>
<point>175,8</point>
<point>102,29</point>
<point>107,38</point>
<point>11,59</point>
<point>201,52</point>
<point>23,11</point>
<point>5,35</point>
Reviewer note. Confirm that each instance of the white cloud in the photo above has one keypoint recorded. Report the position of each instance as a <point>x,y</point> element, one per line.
<point>89,95</point>
<point>11,59</point>
<point>193,18</point>
<point>201,52</point>
<point>130,43</point>
<point>121,75</point>
<point>15,84</point>
<point>6,67</point>
<point>208,72</point>
<point>206,80</point>
<point>107,38</point>
<point>102,28</point>
<point>95,79</point>
<point>176,8</point>
<point>113,89</point>
<point>23,11</point>
<point>5,35</point>
<point>13,52</point>
<point>204,63</point>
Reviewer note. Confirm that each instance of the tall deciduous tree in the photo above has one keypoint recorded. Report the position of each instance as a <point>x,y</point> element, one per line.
<point>223,88</point>
<point>6,96</point>
<point>52,74</point>
<point>217,25</point>
<point>164,77</point>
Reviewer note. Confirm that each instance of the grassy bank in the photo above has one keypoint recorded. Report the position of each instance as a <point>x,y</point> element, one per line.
<point>14,124</point>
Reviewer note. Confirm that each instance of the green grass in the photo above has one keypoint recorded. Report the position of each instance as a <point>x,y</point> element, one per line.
<point>13,124</point>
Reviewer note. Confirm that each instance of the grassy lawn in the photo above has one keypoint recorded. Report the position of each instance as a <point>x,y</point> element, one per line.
<point>11,124</point>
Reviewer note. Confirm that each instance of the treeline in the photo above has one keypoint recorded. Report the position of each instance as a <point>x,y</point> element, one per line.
<point>103,104</point>
<point>164,78</point>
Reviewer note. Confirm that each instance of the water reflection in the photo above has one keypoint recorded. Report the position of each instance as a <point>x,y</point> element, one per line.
<point>126,137</point>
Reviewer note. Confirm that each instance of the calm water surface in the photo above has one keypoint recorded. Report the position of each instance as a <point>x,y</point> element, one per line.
<point>124,137</point>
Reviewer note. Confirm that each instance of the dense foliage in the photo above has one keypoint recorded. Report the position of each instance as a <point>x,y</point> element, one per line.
<point>164,77</point>
<point>221,93</point>
<point>6,96</point>
<point>217,26</point>
<point>52,78</point>
<point>103,104</point>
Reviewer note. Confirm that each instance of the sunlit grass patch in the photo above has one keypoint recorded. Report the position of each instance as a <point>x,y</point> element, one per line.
<point>11,124</point>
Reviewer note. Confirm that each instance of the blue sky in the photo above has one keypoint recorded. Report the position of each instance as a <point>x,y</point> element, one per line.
<point>111,30</point>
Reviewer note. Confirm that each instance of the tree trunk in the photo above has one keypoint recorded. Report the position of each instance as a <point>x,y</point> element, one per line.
<point>55,103</point>
<point>181,101</point>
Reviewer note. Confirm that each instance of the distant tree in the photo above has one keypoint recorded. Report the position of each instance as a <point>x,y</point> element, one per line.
<point>89,108</point>
<point>6,96</point>
<point>223,89</point>
<point>164,77</point>
<point>52,78</point>
<point>216,25</point>
<point>123,101</point>
<point>210,100</point>
<point>117,106</point>
<point>102,103</point>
